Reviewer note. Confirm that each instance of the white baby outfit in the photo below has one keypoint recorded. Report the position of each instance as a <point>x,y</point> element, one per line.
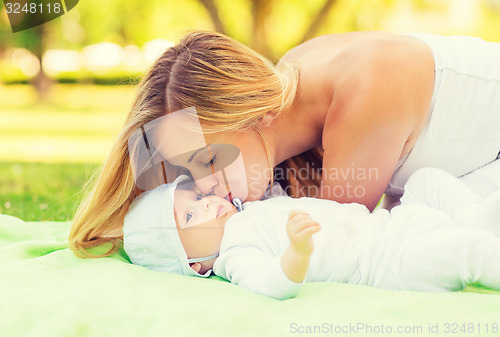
<point>415,247</point>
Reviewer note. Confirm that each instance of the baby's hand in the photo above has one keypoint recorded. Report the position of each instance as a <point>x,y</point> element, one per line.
<point>300,228</point>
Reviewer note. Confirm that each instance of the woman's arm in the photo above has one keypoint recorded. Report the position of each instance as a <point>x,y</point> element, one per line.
<point>363,139</point>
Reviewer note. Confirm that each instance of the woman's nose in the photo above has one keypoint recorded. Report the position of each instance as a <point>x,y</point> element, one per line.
<point>208,185</point>
<point>221,190</point>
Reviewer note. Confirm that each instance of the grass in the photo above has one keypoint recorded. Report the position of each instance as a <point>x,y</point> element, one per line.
<point>77,123</point>
<point>42,191</point>
<point>49,150</point>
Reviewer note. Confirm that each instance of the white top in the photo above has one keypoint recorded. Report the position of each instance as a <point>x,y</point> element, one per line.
<point>255,239</point>
<point>462,130</point>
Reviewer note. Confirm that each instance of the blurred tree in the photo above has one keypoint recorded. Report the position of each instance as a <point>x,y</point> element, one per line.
<point>35,39</point>
<point>260,11</point>
<point>271,27</point>
<point>38,41</point>
<point>319,20</point>
<point>214,15</point>
<point>494,5</point>
<point>306,19</point>
<point>489,27</point>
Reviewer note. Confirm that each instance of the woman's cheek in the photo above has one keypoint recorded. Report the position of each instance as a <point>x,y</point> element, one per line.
<point>237,169</point>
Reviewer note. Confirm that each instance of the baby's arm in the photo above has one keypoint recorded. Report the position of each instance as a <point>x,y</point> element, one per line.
<point>295,260</point>
<point>245,263</point>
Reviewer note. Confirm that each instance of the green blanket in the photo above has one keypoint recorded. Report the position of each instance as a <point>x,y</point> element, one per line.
<point>46,291</point>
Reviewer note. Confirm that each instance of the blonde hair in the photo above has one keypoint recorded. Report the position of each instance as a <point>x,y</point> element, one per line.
<point>232,88</point>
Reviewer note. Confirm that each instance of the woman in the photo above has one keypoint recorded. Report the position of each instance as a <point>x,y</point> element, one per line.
<point>375,106</point>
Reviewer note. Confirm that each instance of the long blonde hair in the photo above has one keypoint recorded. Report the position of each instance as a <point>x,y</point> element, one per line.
<point>232,88</point>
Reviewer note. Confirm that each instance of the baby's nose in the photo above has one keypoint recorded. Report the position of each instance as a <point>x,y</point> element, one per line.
<point>205,203</point>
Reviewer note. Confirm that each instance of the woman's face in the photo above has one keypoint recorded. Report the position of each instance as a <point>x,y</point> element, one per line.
<point>228,164</point>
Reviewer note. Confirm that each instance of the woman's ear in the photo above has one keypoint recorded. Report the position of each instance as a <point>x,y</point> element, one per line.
<point>196,266</point>
<point>266,120</point>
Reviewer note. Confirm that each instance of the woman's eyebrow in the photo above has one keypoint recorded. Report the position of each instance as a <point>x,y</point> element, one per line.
<point>194,154</point>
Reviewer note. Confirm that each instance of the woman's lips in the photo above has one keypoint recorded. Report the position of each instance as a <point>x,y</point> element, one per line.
<point>220,210</point>
<point>229,197</point>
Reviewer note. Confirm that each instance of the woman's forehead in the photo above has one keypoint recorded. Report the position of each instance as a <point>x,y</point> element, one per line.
<point>173,137</point>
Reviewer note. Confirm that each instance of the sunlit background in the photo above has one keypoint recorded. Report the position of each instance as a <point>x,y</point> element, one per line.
<point>66,86</point>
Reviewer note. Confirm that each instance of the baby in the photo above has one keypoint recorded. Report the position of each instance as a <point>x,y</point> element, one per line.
<point>442,237</point>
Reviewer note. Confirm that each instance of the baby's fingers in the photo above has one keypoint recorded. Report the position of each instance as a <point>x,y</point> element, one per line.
<point>295,218</point>
<point>302,226</point>
<point>301,241</point>
<point>308,228</point>
<point>296,214</point>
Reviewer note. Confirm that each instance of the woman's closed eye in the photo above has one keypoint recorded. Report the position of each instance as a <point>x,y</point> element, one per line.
<point>211,162</point>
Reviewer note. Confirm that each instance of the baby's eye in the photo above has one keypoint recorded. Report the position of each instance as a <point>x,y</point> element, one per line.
<point>189,216</point>
<point>198,197</point>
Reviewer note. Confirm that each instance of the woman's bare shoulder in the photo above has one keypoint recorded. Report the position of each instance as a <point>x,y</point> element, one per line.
<point>389,73</point>
<point>340,42</point>
<point>366,78</point>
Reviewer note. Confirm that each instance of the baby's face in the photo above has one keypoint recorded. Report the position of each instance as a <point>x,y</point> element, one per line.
<point>200,222</point>
<point>192,210</point>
